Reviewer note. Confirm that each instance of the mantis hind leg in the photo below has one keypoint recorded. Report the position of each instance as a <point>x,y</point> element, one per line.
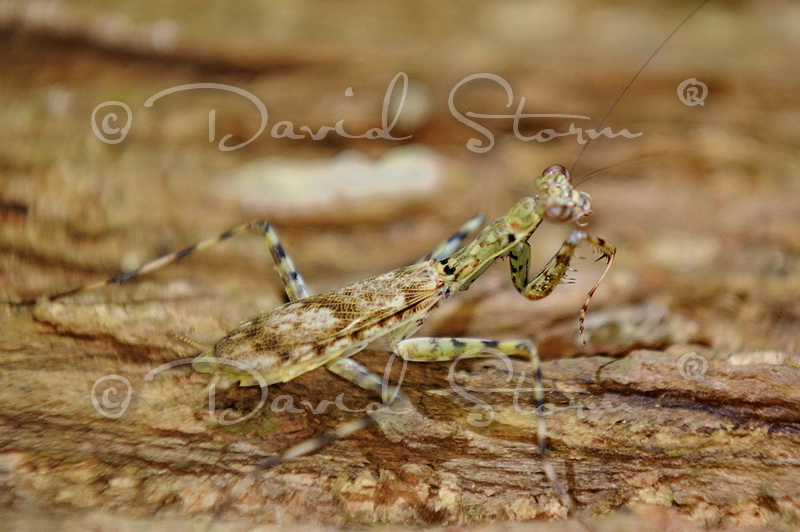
<point>293,282</point>
<point>450,349</point>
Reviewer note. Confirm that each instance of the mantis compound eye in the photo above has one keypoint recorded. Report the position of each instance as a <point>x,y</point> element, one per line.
<point>558,169</point>
<point>558,213</point>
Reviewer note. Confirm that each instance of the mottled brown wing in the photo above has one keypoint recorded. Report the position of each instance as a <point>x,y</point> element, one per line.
<point>301,335</point>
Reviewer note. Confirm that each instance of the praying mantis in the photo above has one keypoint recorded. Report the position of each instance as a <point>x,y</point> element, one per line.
<point>311,331</point>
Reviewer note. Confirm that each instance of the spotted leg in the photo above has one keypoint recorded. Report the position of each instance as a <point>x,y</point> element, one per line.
<point>543,284</point>
<point>447,349</point>
<point>355,373</point>
<point>293,282</point>
<point>449,246</point>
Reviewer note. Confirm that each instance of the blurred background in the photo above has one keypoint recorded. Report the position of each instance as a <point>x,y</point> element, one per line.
<point>703,205</point>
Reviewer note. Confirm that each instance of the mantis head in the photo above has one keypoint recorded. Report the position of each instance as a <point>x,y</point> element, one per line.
<point>557,200</point>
